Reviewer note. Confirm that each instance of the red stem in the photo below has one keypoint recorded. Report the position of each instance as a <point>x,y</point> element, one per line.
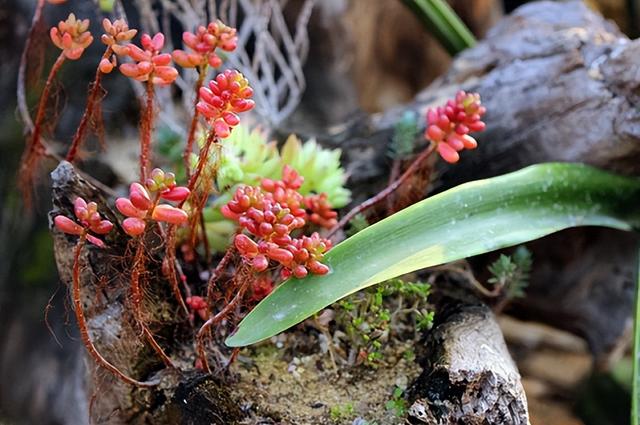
<point>194,122</point>
<point>170,255</point>
<point>82,324</point>
<point>88,112</point>
<point>35,148</point>
<point>22,71</point>
<point>415,165</point>
<point>146,128</point>
<point>215,275</point>
<point>136,296</point>
<point>214,320</point>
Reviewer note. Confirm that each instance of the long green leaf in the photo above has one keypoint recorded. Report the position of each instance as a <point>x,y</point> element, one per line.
<point>635,388</point>
<point>443,23</point>
<point>470,219</point>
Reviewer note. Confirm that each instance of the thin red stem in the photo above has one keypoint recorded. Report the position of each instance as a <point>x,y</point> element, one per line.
<point>170,256</point>
<point>215,275</point>
<point>88,112</point>
<point>194,122</point>
<point>136,296</point>
<point>203,158</point>
<point>415,165</point>
<point>22,71</point>
<point>82,323</point>
<point>35,148</point>
<point>146,128</point>
<point>213,320</point>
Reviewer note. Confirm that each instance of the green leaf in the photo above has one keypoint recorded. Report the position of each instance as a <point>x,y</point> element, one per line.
<point>635,392</point>
<point>468,220</point>
<point>443,23</point>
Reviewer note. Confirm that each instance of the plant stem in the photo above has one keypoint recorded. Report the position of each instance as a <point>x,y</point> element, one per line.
<point>215,275</point>
<point>22,71</point>
<point>136,296</point>
<point>170,256</point>
<point>213,320</point>
<point>35,148</point>
<point>415,165</point>
<point>82,324</point>
<point>146,129</point>
<point>194,122</point>
<point>88,112</point>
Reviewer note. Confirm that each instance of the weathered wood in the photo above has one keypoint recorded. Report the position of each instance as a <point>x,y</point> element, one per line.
<point>469,376</point>
<point>560,84</point>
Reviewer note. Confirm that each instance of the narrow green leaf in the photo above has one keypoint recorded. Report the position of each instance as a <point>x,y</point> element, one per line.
<point>635,392</point>
<point>468,220</point>
<point>443,23</point>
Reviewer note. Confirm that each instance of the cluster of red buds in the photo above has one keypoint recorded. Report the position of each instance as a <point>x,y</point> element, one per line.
<point>88,220</point>
<point>270,213</point>
<point>220,103</point>
<point>151,64</point>
<point>203,44</point>
<point>449,126</point>
<point>198,305</point>
<point>140,207</point>
<point>72,36</point>
<point>320,211</point>
<point>261,287</point>
<point>115,32</point>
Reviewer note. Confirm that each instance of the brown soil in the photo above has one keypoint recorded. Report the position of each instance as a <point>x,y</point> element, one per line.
<point>304,389</point>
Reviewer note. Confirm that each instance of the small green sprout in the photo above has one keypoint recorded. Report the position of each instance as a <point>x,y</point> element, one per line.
<point>397,404</point>
<point>512,272</point>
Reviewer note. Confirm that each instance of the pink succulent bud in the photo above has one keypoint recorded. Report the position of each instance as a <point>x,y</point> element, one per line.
<point>106,66</point>
<point>71,36</point>
<point>95,241</point>
<point>126,207</point>
<point>203,44</point>
<point>226,96</point>
<point>89,221</point>
<point>151,65</point>
<point>67,225</point>
<point>133,226</point>
<point>449,125</point>
<point>177,194</point>
<point>140,197</point>
<point>169,214</point>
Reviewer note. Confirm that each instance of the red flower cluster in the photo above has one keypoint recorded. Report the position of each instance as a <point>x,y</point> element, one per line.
<point>115,32</point>
<point>151,65</point>
<point>320,211</point>
<point>139,207</point>
<point>270,213</point>
<point>204,43</point>
<point>89,219</point>
<point>72,36</point>
<point>449,126</point>
<point>227,95</point>
<point>199,306</point>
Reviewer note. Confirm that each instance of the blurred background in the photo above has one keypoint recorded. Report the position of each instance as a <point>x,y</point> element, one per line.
<point>386,58</point>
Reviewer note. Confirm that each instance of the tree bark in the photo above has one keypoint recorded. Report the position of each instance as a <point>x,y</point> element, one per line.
<point>469,376</point>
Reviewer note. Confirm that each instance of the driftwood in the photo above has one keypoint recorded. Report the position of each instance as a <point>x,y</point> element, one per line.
<point>193,398</point>
<point>560,84</point>
<point>469,376</point>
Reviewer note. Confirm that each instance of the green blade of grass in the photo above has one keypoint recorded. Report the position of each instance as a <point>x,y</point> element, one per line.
<point>438,17</point>
<point>468,220</point>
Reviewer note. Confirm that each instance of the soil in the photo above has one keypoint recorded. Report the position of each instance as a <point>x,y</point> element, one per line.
<point>305,389</point>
